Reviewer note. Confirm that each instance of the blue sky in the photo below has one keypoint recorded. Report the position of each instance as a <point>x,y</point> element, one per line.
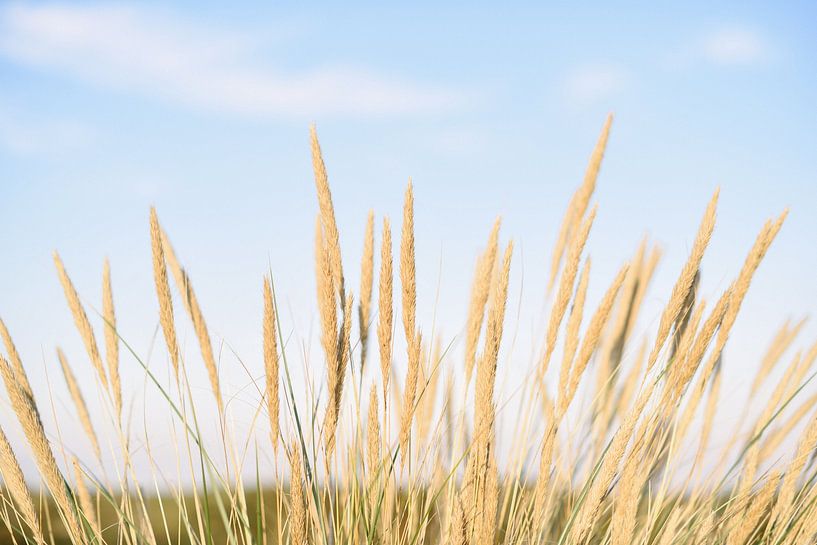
<point>204,111</point>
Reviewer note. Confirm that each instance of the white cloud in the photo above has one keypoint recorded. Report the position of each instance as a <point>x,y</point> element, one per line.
<point>593,83</point>
<point>128,48</point>
<point>734,45</point>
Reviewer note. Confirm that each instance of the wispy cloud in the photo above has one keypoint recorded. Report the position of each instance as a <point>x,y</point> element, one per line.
<point>734,45</point>
<point>594,83</point>
<point>155,54</point>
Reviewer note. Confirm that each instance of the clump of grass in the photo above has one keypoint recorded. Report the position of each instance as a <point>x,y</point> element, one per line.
<point>390,457</point>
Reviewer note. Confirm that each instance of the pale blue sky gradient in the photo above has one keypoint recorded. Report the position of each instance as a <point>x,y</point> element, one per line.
<point>203,111</point>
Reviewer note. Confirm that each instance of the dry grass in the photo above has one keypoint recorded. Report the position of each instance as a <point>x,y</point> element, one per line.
<point>385,325</point>
<point>614,446</point>
<point>271,371</point>
<point>17,491</point>
<point>163,291</point>
<point>79,402</point>
<point>111,338</point>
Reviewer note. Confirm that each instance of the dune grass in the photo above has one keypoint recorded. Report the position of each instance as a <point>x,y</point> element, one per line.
<point>406,449</point>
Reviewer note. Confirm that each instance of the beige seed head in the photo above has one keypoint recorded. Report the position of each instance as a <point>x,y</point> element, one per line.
<point>410,394</point>
<point>331,339</point>
<point>337,374</point>
<point>625,510</point>
<point>645,276</point>
<point>705,529</point>
<point>629,386</point>
<point>680,328</point>
<point>579,202</point>
<point>751,459</point>
<point>458,525</point>
<point>18,490</point>
<point>191,304</point>
<point>327,212</point>
<point>608,468</point>
<point>709,416</point>
<point>788,489</point>
<point>373,432</point>
<point>111,338</point>
<point>486,369</point>
<point>200,327</point>
<point>781,342</point>
<point>298,520</point>
<point>593,334</point>
<point>366,284</point>
<point>574,322</point>
<point>407,271</point>
<point>16,362</point>
<point>741,285</point>
<point>624,518</point>
<point>704,337</point>
<point>809,357</point>
<point>179,274</point>
<point>481,485</point>
<point>615,338</point>
<point>685,279</point>
<point>373,457</point>
<point>487,534</point>
<point>346,338</point>
<point>805,529</point>
<point>271,364</point>
<point>327,305</point>
<point>670,532</point>
<point>780,434</point>
<point>728,308</point>
<point>480,289</point>
<point>26,411</point>
<point>682,368</point>
<point>592,172</point>
<point>693,360</point>
<point>542,487</point>
<point>81,320</point>
<point>748,523</point>
<point>163,291</point>
<point>385,326</point>
<point>571,269</point>
<point>625,315</point>
<point>79,402</point>
<point>644,279</point>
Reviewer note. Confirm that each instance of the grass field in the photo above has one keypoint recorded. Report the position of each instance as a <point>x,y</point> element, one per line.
<point>612,442</point>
